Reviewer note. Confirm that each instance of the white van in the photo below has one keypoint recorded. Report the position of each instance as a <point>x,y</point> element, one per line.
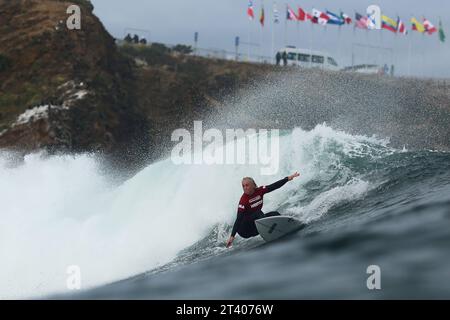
<point>368,69</point>
<point>309,59</point>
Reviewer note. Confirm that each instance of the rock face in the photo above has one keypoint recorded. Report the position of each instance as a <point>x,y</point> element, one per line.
<point>64,89</point>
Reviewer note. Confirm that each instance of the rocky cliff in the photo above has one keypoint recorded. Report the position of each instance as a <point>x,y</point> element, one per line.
<point>63,89</point>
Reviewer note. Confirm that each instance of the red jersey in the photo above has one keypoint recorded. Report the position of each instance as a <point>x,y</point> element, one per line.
<point>253,203</point>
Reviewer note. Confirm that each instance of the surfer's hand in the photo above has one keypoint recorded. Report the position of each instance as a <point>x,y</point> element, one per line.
<point>296,174</point>
<point>230,241</point>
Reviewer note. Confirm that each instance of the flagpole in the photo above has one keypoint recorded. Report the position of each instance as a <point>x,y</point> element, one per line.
<point>285,26</point>
<point>393,54</point>
<point>354,33</point>
<point>261,33</point>
<point>423,55</point>
<point>339,38</point>
<point>248,42</point>
<point>261,45</point>
<point>394,47</point>
<point>381,43</point>
<point>325,29</point>
<point>409,55</point>
<point>311,44</point>
<point>410,50</point>
<point>273,33</point>
<point>367,47</point>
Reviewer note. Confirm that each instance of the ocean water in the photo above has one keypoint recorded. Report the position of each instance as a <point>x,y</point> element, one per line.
<point>161,234</point>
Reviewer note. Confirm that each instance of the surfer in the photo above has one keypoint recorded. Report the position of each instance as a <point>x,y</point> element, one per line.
<point>250,205</point>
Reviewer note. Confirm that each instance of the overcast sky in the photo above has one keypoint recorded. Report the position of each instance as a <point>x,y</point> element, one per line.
<point>220,21</point>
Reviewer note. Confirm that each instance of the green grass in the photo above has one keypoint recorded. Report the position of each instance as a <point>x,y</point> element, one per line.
<point>11,104</point>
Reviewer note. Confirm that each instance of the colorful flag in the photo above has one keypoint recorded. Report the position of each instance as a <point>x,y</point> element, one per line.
<point>401,28</point>
<point>346,18</point>
<point>303,15</point>
<point>261,17</point>
<point>417,26</point>
<point>388,23</point>
<point>441,32</point>
<point>250,11</point>
<point>360,21</point>
<point>276,17</point>
<point>319,17</point>
<point>290,15</point>
<point>429,27</point>
<point>335,19</point>
<point>371,24</point>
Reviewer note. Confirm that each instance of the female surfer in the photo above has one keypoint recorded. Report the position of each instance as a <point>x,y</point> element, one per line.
<point>250,205</point>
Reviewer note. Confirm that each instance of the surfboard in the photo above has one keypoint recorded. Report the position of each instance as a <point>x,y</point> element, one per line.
<point>272,228</point>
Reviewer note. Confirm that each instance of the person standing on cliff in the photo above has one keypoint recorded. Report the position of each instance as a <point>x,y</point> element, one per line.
<point>278,58</point>
<point>284,57</point>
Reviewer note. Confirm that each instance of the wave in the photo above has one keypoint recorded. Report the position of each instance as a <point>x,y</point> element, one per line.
<point>60,211</point>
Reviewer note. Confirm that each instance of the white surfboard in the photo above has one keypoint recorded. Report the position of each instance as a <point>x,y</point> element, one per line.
<point>273,228</point>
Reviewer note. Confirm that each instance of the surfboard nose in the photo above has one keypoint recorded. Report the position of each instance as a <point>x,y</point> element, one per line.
<point>272,228</point>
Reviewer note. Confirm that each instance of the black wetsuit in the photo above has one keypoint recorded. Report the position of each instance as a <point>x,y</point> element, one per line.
<point>249,210</point>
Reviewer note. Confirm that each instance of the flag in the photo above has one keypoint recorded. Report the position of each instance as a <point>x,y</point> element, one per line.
<point>250,12</point>
<point>303,15</point>
<point>261,17</point>
<point>416,25</point>
<point>388,23</point>
<point>276,17</point>
<point>371,22</point>
<point>319,17</point>
<point>290,15</point>
<point>441,32</point>
<point>429,28</point>
<point>335,19</point>
<point>346,18</point>
<point>401,28</point>
<point>360,21</point>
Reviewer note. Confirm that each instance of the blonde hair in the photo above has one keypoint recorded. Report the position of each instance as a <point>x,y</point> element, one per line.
<point>251,180</point>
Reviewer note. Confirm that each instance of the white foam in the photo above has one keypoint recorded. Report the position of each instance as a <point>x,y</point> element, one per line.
<point>60,211</point>
<point>80,94</point>
<point>34,114</point>
<point>353,190</point>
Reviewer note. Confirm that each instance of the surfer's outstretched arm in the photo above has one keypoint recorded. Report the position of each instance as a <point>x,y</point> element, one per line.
<point>275,185</point>
<point>280,183</point>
